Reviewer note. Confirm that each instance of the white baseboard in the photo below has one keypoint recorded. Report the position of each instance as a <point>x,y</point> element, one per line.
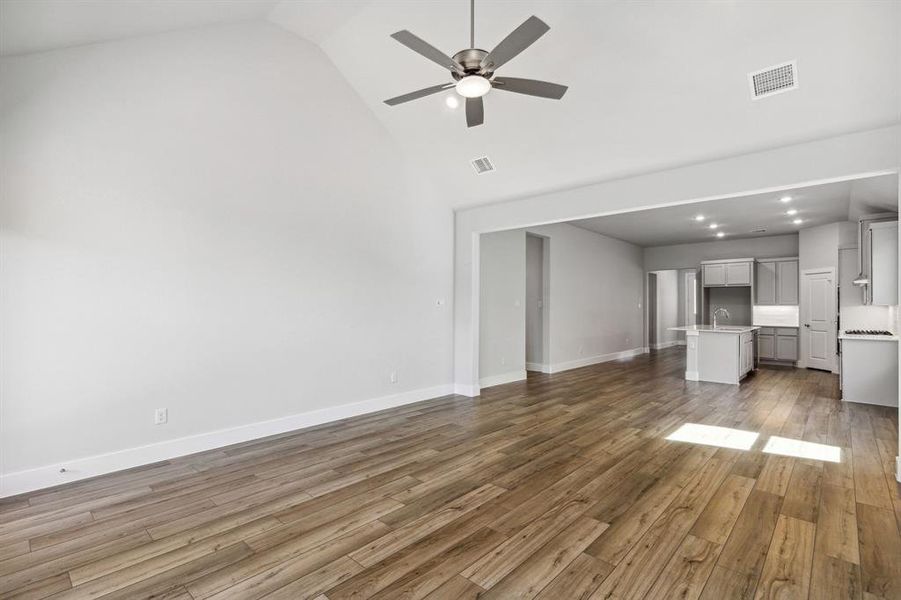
<point>470,391</point>
<point>91,466</point>
<point>692,376</point>
<point>593,360</point>
<point>503,378</point>
<point>663,345</point>
<point>540,367</point>
<point>898,468</point>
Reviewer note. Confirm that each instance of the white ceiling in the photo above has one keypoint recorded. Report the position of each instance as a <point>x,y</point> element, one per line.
<point>653,85</point>
<point>37,25</point>
<point>739,217</point>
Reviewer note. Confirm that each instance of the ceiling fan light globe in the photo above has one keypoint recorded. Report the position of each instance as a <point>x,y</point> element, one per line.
<point>473,86</point>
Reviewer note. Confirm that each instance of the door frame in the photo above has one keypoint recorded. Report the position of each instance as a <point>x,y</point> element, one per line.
<point>693,274</point>
<point>804,332</point>
<point>545,365</point>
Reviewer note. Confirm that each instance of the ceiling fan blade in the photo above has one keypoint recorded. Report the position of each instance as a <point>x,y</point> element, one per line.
<point>530,87</point>
<point>521,38</point>
<point>418,94</point>
<point>475,112</point>
<point>427,50</point>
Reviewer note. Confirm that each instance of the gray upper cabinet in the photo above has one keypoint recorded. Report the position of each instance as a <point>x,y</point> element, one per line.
<point>766,283</point>
<point>738,273</point>
<point>727,273</point>
<point>787,282</point>
<point>777,282</point>
<point>883,240</point>
<point>715,274</point>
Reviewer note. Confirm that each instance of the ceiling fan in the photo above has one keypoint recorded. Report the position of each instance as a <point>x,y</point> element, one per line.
<point>473,70</point>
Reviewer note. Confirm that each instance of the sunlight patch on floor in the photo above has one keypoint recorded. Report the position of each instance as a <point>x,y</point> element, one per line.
<point>711,435</point>
<point>802,449</point>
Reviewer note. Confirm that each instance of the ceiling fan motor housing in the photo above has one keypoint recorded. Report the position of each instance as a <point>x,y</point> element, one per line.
<point>471,60</point>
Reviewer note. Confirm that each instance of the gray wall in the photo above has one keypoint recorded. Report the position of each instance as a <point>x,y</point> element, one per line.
<point>502,280</point>
<point>686,256</point>
<point>595,298</point>
<point>593,301</point>
<point>737,300</point>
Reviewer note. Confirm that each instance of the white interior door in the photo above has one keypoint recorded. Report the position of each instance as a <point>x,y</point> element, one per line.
<point>818,327</point>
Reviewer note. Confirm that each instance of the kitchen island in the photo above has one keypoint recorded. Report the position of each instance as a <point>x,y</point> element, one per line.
<point>723,354</point>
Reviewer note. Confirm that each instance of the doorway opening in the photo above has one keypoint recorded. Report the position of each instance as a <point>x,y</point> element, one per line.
<point>537,292</point>
<point>664,299</point>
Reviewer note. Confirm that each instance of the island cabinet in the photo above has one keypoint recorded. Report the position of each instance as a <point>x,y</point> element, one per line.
<point>723,273</point>
<point>776,282</point>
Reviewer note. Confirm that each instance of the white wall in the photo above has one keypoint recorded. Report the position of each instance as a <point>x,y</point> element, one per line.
<point>689,256</point>
<point>209,221</point>
<point>667,307</point>
<point>502,350</point>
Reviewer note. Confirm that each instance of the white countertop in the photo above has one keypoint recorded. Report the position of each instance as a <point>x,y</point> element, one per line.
<point>868,338</point>
<point>734,329</point>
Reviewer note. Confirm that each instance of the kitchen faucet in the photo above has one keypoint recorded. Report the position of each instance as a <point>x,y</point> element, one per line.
<point>716,312</point>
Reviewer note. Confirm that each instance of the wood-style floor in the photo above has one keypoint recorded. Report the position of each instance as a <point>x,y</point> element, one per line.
<point>560,487</point>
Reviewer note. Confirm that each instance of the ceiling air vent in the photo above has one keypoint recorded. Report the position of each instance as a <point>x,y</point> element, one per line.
<point>482,165</point>
<point>759,230</point>
<point>774,80</point>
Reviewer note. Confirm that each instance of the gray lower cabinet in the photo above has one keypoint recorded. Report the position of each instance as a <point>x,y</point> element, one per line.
<point>776,282</point>
<point>777,343</point>
<point>766,346</point>
<point>787,347</point>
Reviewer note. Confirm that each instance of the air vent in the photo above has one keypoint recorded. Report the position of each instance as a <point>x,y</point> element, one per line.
<point>759,230</point>
<point>482,165</point>
<point>774,80</point>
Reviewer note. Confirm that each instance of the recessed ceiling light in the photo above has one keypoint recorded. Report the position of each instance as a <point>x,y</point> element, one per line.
<point>797,221</point>
<point>713,225</point>
<point>699,218</point>
<point>785,199</point>
<point>452,102</point>
<point>720,234</point>
<point>791,211</point>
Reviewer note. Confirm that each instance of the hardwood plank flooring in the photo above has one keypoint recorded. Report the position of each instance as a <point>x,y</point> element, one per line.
<point>560,486</point>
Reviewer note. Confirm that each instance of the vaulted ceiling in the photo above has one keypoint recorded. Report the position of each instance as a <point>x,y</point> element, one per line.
<point>652,84</point>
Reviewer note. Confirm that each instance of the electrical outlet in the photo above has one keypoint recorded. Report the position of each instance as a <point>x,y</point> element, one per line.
<point>393,377</point>
<point>161,416</point>
<point>439,302</point>
<point>581,350</point>
<point>503,360</point>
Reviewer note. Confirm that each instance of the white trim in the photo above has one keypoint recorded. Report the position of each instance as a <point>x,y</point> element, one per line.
<point>670,344</point>
<point>692,376</point>
<point>91,466</point>
<point>501,379</point>
<point>470,391</point>
<point>540,367</point>
<point>593,360</point>
<point>898,468</point>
